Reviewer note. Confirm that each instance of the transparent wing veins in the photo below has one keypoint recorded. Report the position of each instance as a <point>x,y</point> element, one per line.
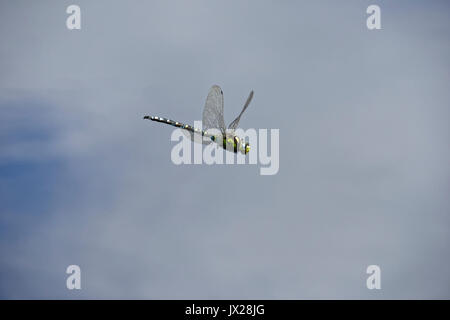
<point>197,137</point>
<point>213,111</point>
<point>233,125</point>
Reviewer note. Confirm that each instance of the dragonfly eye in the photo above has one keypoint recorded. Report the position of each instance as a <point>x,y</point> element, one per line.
<point>247,148</point>
<point>213,138</point>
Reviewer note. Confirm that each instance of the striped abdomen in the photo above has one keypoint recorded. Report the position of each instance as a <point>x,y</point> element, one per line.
<point>174,123</point>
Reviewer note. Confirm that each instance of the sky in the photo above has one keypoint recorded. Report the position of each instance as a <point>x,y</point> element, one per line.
<point>363,149</point>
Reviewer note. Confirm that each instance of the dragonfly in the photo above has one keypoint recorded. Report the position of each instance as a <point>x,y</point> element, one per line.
<point>213,123</point>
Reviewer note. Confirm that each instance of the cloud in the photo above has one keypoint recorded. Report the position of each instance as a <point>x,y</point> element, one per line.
<point>363,151</point>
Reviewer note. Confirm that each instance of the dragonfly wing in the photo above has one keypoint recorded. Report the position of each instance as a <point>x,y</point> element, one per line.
<point>197,137</point>
<point>235,122</point>
<point>213,112</point>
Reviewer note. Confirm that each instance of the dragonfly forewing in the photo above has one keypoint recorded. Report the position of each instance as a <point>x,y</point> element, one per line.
<point>213,111</point>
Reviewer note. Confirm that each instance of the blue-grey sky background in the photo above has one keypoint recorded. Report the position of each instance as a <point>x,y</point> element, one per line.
<point>364,150</point>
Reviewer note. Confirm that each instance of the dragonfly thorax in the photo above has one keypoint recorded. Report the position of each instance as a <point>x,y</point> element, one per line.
<point>232,143</point>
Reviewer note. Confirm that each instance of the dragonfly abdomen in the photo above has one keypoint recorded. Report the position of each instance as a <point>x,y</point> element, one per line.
<point>173,123</point>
